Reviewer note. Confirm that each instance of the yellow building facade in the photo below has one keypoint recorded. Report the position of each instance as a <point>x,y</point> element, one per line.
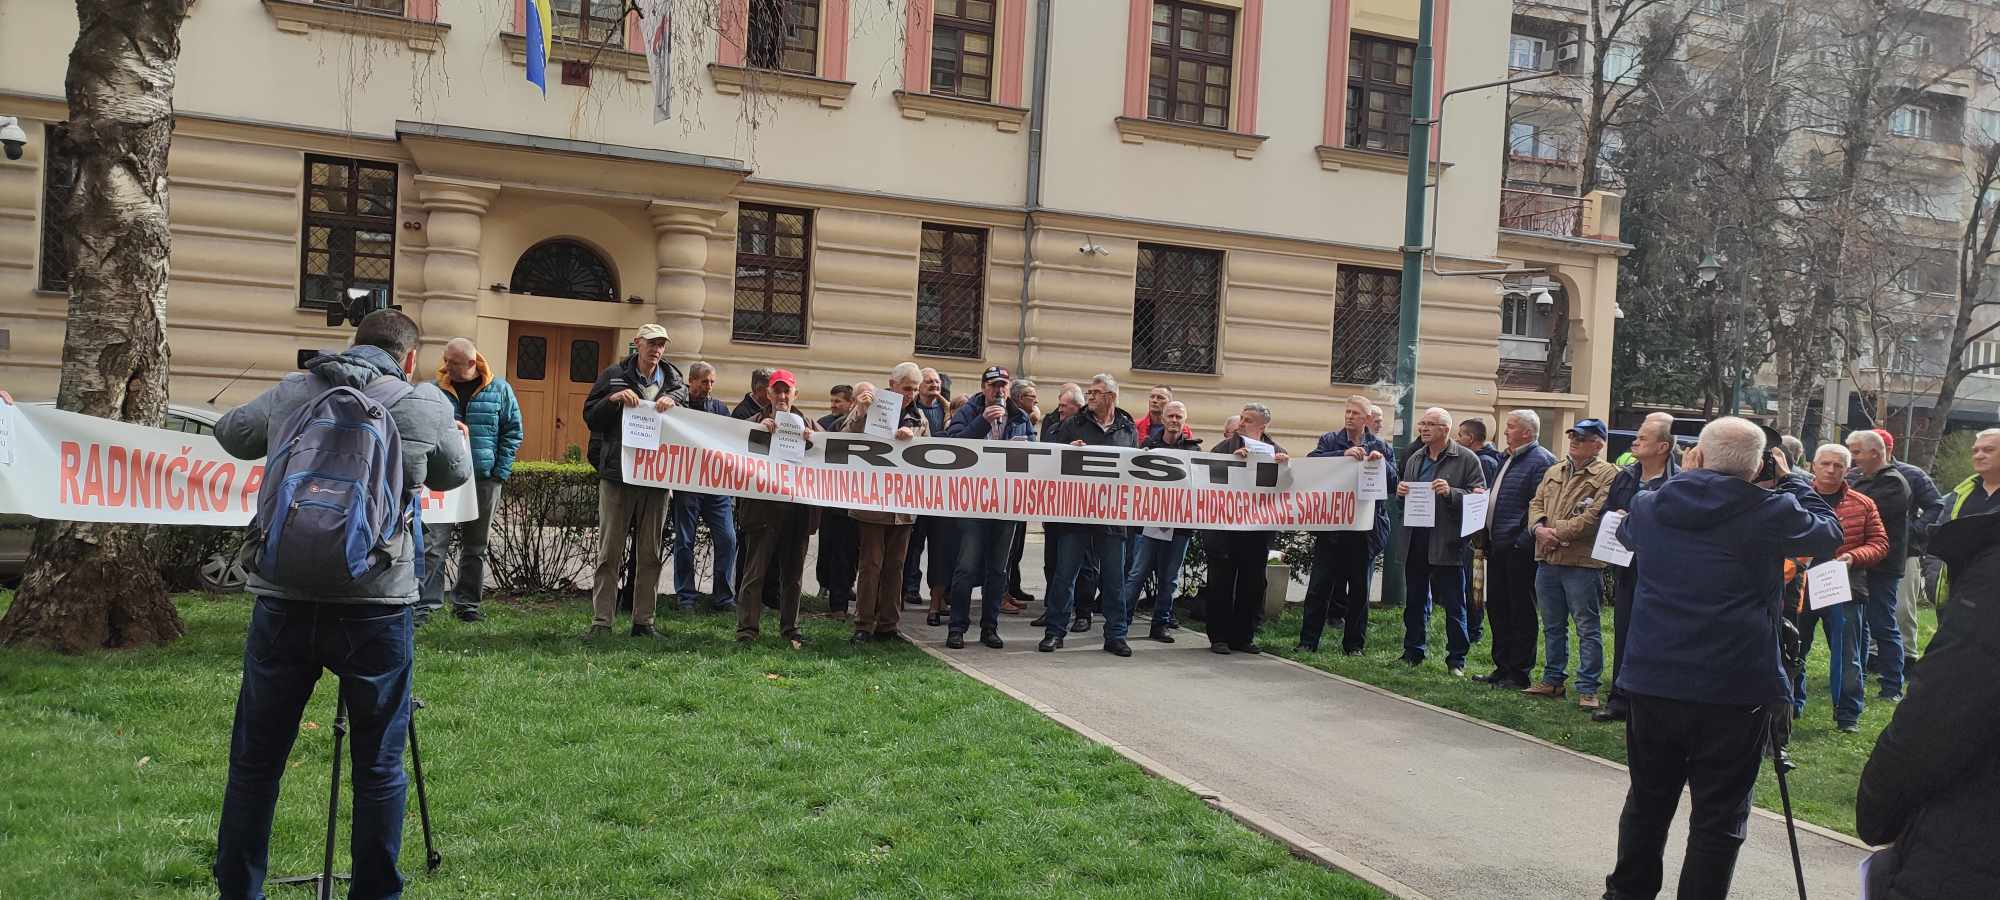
<point>836,191</point>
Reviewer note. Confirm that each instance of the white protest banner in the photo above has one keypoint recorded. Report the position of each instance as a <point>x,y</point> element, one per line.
<point>1374,482</point>
<point>86,469</point>
<point>1005,479</point>
<point>884,412</point>
<point>1608,548</point>
<point>6,434</point>
<point>788,443</point>
<point>1259,449</point>
<point>1473,517</point>
<point>1827,585</point>
<point>639,426</point>
<point>1420,507</point>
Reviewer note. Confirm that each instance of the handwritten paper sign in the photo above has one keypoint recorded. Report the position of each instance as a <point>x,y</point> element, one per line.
<point>1420,508</point>
<point>1827,585</point>
<point>1474,516</point>
<point>1607,548</point>
<point>640,427</point>
<point>884,414</point>
<point>788,443</point>
<point>1259,449</point>
<point>1374,484</point>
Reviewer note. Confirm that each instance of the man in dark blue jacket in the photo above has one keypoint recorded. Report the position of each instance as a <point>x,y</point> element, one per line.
<point>1652,452</point>
<point>689,509</point>
<point>1344,560</point>
<point>984,545</point>
<point>1510,552</point>
<point>485,403</point>
<point>1100,424</point>
<point>1705,679</point>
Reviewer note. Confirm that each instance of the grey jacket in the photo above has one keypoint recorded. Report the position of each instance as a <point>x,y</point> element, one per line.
<point>1461,468</point>
<point>433,455</point>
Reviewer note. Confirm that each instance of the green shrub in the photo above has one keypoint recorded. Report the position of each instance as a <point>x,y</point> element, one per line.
<point>544,537</point>
<point>1954,460</point>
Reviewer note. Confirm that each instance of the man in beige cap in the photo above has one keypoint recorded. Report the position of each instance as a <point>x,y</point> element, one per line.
<point>623,510</point>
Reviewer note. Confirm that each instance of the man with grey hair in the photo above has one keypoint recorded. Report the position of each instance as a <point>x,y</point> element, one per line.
<point>1705,681</point>
<point>1100,424</point>
<point>1510,552</point>
<point>689,509</point>
<point>485,404</point>
<point>1237,556</point>
<point>984,544</point>
<point>932,403</point>
<point>1652,464</point>
<point>1874,475</point>
<point>756,405</point>
<point>1864,545</point>
<point>1435,556</point>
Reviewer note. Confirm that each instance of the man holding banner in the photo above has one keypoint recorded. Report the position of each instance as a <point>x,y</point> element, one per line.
<point>774,534</point>
<point>1343,561</point>
<point>628,511</point>
<point>883,537</point>
<point>1101,424</point>
<point>984,544</point>
<point>1237,557</point>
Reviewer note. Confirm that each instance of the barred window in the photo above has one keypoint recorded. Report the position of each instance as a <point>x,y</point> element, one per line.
<point>350,230</point>
<point>784,35</point>
<point>962,48</point>
<point>59,171</point>
<point>590,21</point>
<point>564,268</point>
<point>1367,315</point>
<point>773,267</point>
<point>1176,309</point>
<point>1189,78</point>
<point>1379,77</point>
<point>951,291</point>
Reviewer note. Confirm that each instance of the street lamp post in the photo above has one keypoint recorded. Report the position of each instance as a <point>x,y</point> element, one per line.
<point>1418,177</point>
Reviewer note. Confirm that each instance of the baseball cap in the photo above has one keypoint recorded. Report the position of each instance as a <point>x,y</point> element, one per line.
<point>995,373</point>
<point>1590,428</point>
<point>785,376</point>
<point>1888,440</point>
<point>650,331</point>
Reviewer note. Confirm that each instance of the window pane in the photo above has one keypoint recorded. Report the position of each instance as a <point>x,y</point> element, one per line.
<point>531,358</point>
<point>973,87</point>
<point>978,43</point>
<point>947,8</point>
<point>979,10</point>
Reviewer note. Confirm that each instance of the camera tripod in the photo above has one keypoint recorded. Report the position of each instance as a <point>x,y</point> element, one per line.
<point>1791,646</point>
<point>323,880</point>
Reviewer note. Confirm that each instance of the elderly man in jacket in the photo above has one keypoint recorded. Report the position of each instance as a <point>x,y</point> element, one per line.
<point>628,511</point>
<point>984,545</point>
<point>1237,556</point>
<point>1100,424</point>
<point>1436,556</point>
<point>1874,475</point>
<point>1159,553</point>
<point>1570,583</point>
<point>1653,463</point>
<point>883,537</point>
<point>689,509</point>
<point>1705,679</point>
<point>1510,552</point>
<point>1344,560</point>
<point>485,404</point>
<point>1864,545</point>
<point>1926,504</point>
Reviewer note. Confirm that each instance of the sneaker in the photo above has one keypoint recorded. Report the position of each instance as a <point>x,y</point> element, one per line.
<point>1350,653</point>
<point>1889,697</point>
<point>1457,671</point>
<point>591,634</point>
<point>1546,689</point>
<point>1588,701</point>
<point>1849,728</point>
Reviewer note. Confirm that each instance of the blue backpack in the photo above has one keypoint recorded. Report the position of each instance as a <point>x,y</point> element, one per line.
<point>333,495</point>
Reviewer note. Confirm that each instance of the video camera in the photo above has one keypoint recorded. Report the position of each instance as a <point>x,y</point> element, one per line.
<point>350,310</point>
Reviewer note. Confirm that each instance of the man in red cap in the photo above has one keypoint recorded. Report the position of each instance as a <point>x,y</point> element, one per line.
<point>774,534</point>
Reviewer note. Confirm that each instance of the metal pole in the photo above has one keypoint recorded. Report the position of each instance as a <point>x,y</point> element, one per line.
<point>1043,11</point>
<point>1413,273</point>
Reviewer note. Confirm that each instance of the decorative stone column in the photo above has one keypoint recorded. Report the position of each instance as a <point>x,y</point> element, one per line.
<point>681,229</point>
<point>456,212</point>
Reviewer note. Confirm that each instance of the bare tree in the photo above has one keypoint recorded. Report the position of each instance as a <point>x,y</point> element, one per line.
<point>91,585</point>
<point>1975,252</point>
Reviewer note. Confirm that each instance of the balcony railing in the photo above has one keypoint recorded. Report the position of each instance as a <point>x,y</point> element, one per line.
<point>1542,213</point>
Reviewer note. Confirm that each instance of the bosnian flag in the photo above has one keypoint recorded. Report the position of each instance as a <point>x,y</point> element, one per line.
<point>538,33</point>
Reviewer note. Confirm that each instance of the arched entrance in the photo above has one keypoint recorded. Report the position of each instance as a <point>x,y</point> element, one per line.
<point>562,267</point>
<point>552,367</point>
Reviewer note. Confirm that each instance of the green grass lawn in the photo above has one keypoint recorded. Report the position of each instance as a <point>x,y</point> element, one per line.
<point>1829,762</point>
<point>689,769</point>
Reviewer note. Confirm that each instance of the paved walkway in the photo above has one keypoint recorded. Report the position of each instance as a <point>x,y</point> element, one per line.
<point>1423,802</point>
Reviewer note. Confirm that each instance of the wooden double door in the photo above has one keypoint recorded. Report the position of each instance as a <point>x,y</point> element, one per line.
<point>552,368</point>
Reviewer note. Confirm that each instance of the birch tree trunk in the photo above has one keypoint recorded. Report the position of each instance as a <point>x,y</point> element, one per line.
<point>91,585</point>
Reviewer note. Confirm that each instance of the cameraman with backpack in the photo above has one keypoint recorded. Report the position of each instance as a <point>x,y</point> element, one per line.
<point>335,474</point>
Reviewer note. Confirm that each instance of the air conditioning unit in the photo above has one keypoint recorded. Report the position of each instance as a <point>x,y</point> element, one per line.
<point>1568,52</point>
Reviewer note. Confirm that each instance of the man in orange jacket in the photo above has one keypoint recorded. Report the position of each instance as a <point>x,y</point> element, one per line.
<point>1864,545</point>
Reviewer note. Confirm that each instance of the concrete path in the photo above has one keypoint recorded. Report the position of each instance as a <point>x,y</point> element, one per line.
<point>1419,800</point>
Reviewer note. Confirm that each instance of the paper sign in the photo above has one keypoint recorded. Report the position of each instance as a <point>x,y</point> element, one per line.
<point>640,427</point>
<point>1259,449</point>
<point>1374,483</point>
<point>1473,518</point>
<point>788,444</point>
<point>1608,549</point>
<point>884,414</point>
<point>1420,508</point>
<point>1826,585</point>
<point>1158,534</point>
<point>6,434</point>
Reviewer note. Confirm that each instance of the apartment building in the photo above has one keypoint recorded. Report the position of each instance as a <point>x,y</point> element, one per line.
<point>842,185</point>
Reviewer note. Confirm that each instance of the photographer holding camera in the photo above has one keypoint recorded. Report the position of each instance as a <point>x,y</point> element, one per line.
<point>1705,682</point>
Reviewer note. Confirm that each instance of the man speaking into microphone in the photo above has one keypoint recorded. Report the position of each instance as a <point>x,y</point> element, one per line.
<point>1705,677</point>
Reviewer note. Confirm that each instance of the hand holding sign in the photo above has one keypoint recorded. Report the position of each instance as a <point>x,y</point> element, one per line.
<point>788,441</point>
<point>1419,509</point>
<point>884,411</point>
<point>639,428</point>
<point>1827,585</point>
<point>1374,483</point>
<point>1608,548</point>
<point>1474,516</point>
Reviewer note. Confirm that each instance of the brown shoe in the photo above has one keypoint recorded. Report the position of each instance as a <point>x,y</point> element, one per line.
<point>1013,607</point>
<point>1588,702</point>
<point>939,603</point>
<point>1546,689</point>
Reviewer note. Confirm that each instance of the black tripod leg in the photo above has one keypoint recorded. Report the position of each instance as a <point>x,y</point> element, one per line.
<point>333,790</point>
<point>431,857</point>
<point>1781,765</point>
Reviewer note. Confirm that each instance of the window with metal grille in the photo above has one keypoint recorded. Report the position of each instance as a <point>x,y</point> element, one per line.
<point>1367,313</point>
<point>784,35</point>
<point>350,230</point>
<point>1190,75</point>
<point>962,48</point>
<point>773,267</point>
<point>1176,309</point>
<point>531,358</point>
<point>1379,75</point>
<point>564,268</point>
<point>392,7</point>
<point>590,21</point>
<point>951,290</point>
<point>59,170</point>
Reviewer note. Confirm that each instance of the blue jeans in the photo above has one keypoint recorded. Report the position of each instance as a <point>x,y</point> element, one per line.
<point>1845,635</point>
<point>717,512</point>
<point>368,648</point>
<point>1562,593</point>
<point>984,546</point>
<point>1075,545</point>
<point>1422,584</point>
<point>1884,586</point>
<point>1161,560</point>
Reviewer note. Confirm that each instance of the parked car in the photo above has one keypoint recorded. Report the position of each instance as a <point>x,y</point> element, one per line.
<point>216,570</point>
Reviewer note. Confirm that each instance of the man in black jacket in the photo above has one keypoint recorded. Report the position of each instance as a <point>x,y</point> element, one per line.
<point>1882,483</point>
<point>1100,424</point>
<point>839,538</point>
<point>624,510</point>
<point>1158,553</point>
<point>1435,557</point>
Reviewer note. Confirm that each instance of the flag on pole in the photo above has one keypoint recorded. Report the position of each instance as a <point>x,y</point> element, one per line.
<point>538,31</point>
<point>659,44</point>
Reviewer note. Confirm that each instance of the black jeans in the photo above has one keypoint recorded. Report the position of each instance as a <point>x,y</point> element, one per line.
<point>1236,561</point>
<point>1714,751</point>
<point>1014,561</point>
<point>913,559</point>
<point>1083,601</point>
<point>839,555</point>
<point>1624,580</point>
<point>983,547</point>
<point>1338,587</point>
<point>1510,611</point>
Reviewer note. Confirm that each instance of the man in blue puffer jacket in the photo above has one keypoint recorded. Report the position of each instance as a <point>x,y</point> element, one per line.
<point>485,403</point>
<point>1510,552</point>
